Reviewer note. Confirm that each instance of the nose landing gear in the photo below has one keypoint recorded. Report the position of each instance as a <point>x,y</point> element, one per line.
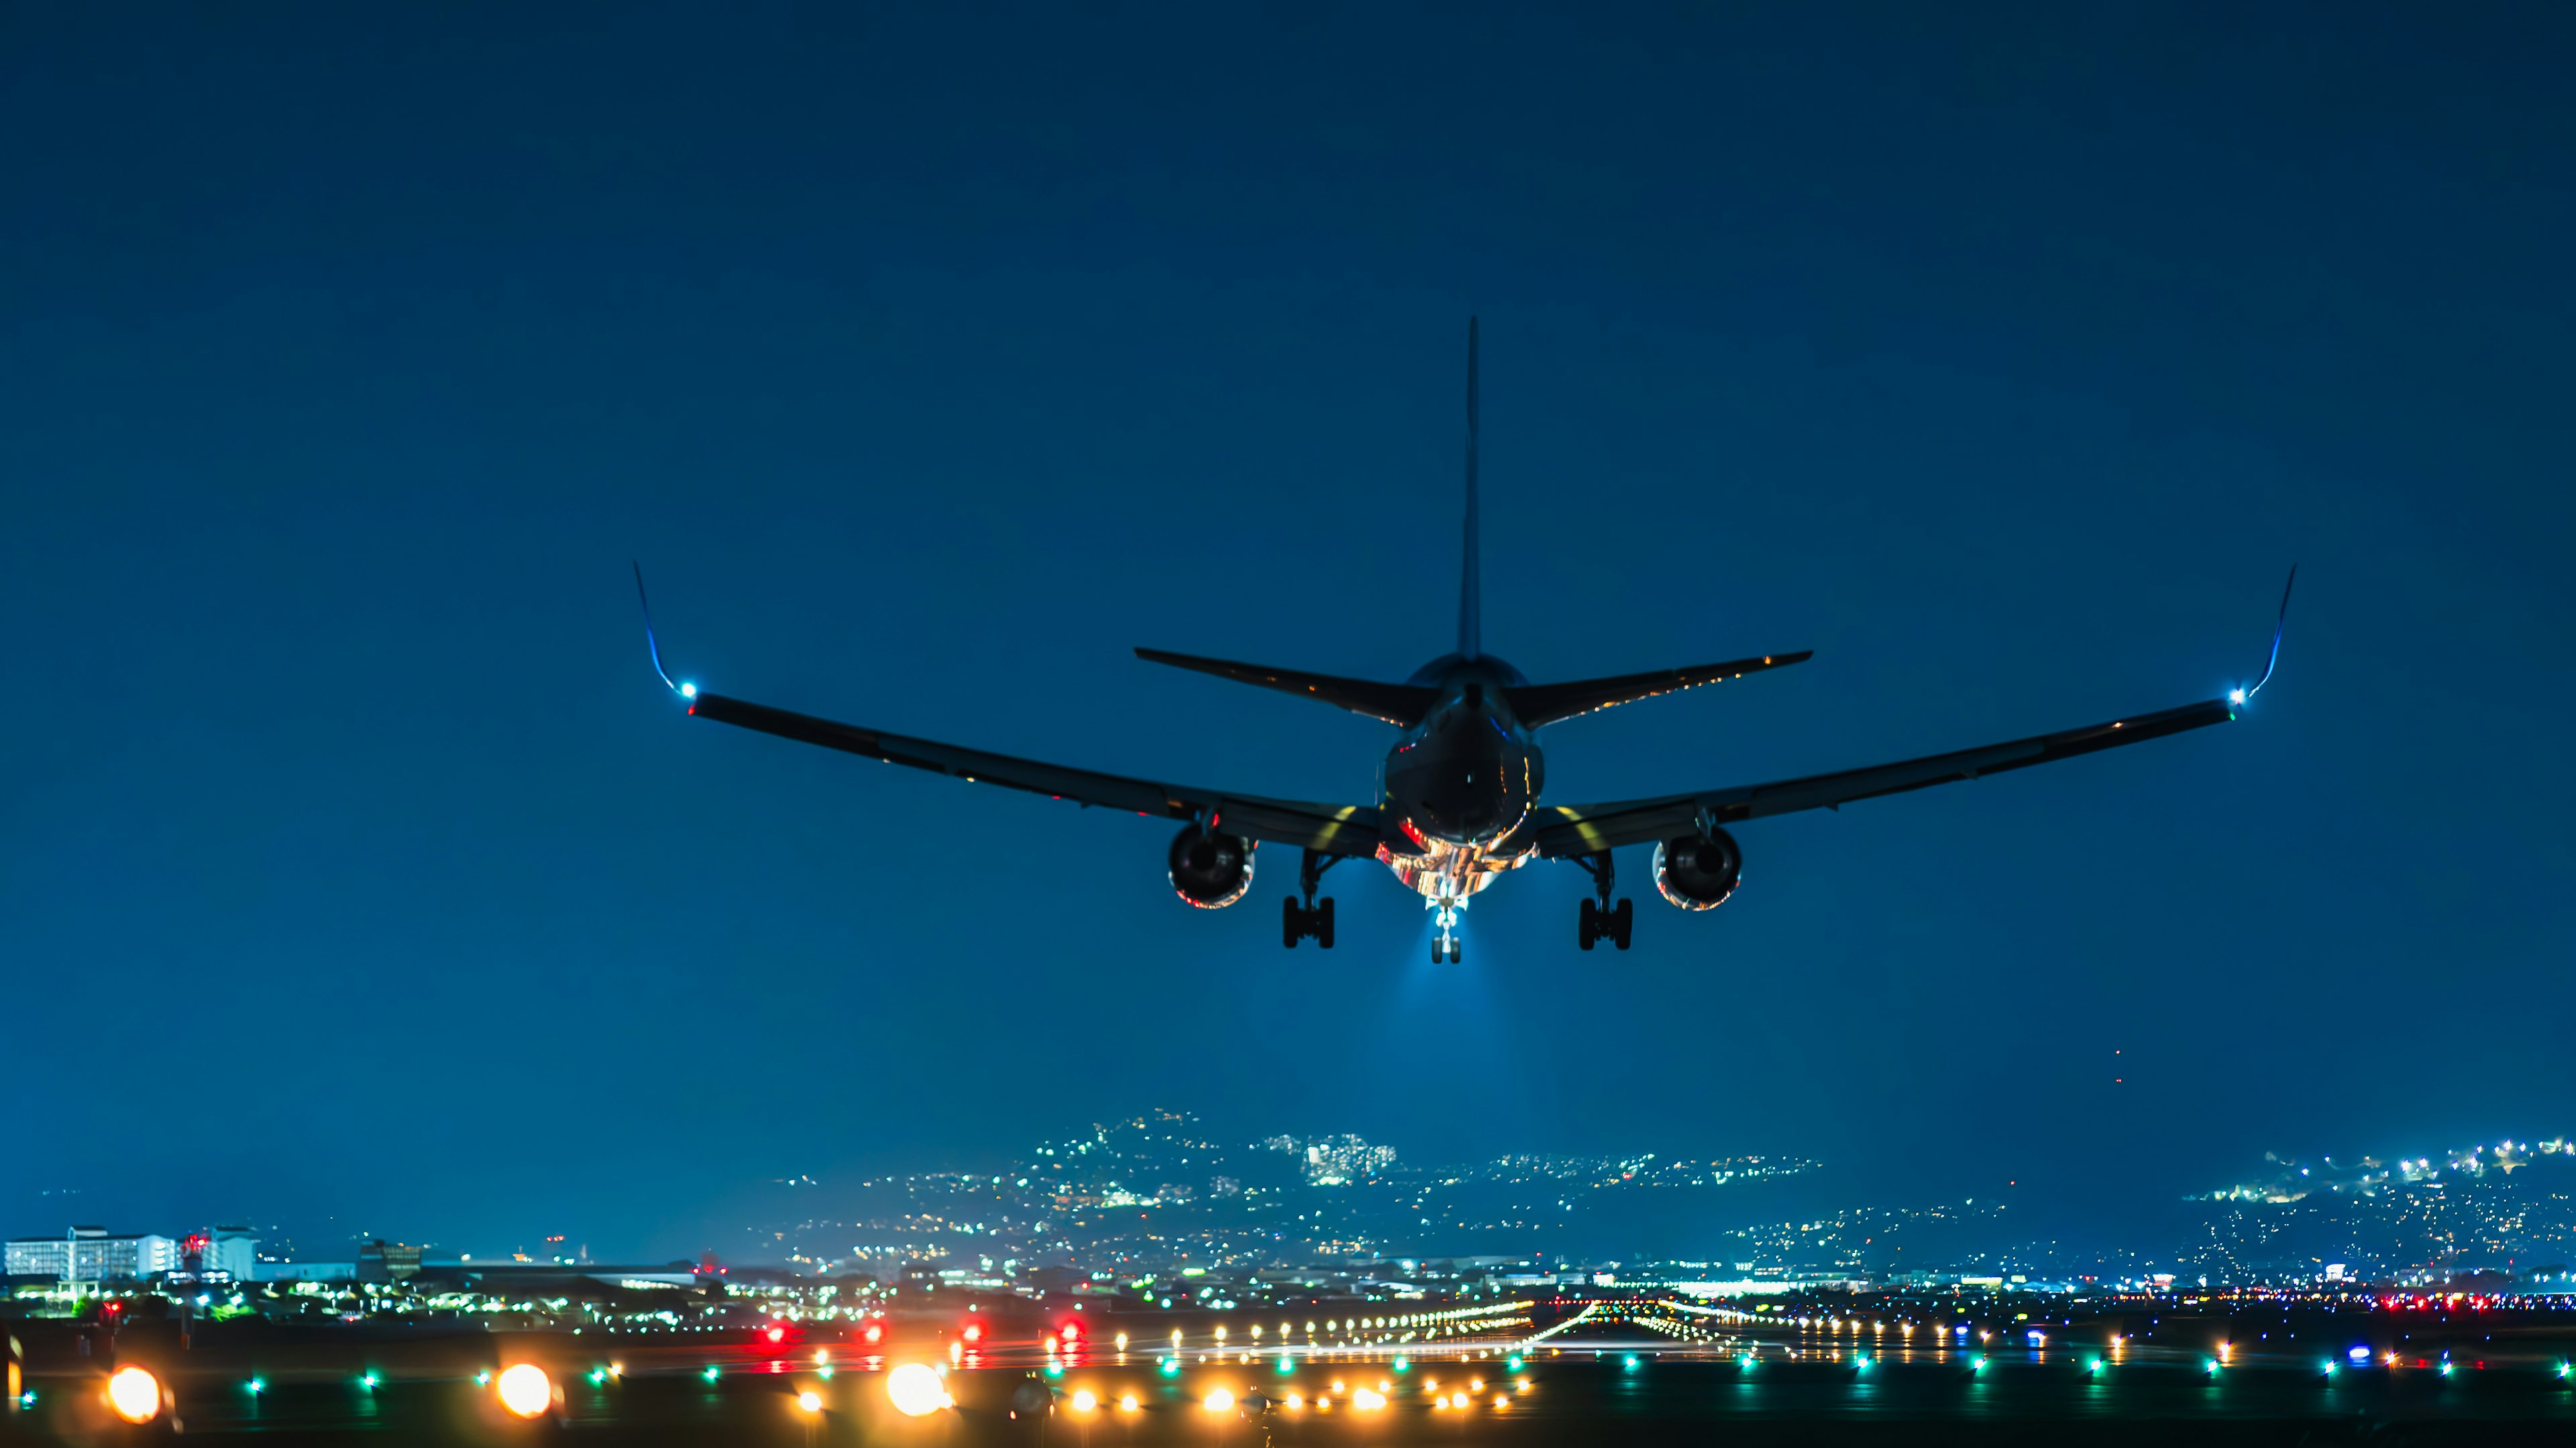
<point>1314,919</point>
<point>1597,920</point>
<point>1444,946</point>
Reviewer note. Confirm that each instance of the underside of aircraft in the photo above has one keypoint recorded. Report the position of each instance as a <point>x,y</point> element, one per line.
<point>1458,801</point>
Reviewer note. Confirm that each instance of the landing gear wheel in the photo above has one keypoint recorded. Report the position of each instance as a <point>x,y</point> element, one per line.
<point>1587,925</point>
<point>1292,922</point>
<point>1619,922</point>
<point>1454,948</point>
<point>1319,922</point>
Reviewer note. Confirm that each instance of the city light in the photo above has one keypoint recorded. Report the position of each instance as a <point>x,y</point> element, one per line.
<point>134,1394</point>
<point>524,1389</point>
<point>915,1390</point>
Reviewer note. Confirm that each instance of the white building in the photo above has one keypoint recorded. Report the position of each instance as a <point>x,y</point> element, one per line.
<point>234,1250</point>
<point>89,1254</point>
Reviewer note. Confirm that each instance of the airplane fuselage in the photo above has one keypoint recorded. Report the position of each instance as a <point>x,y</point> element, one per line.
<point>1457,786</point>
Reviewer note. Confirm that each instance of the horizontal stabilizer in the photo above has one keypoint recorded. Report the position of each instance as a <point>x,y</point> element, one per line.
<point>1538,704</point>
<point>1402,705</point>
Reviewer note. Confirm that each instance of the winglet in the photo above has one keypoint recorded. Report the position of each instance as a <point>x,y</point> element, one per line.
<point>2239,696</point>
<point>1469,645</point>
<point>685,691</point>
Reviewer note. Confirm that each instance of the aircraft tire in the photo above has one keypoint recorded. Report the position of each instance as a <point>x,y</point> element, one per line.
<point>1587,925</point>
<point>1322,918</point>
<point>1292,922</point>
<point>1620,921</point>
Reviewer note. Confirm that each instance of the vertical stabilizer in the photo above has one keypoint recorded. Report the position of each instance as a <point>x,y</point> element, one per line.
<point>1468,590</point>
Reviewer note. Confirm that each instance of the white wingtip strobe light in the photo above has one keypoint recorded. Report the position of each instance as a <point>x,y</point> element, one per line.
<point>690,691</point>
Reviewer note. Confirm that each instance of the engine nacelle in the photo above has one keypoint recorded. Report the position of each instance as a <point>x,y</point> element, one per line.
<point>1209,870</point>
<point>1696,873</point>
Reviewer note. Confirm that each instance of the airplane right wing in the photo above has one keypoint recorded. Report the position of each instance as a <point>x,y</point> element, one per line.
<point>1567,831</point>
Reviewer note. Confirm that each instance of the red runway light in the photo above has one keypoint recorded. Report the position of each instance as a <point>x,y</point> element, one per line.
<point>777,1332</point>
<point>875,1332</point>
<point>974,1332</point>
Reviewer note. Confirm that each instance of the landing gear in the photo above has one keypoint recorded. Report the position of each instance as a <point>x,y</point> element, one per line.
<point>1444,946</point>
<point>1297,922</point>
<point>1598,920</point>
<point>1312,920</point>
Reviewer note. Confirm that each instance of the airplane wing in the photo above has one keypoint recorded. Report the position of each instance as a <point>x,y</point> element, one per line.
<point>1333,829</point>
<point>1566,831</point>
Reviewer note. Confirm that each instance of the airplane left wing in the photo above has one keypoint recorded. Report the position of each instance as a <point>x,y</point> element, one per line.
<point>1567,831</point>
<point>1333,829</point>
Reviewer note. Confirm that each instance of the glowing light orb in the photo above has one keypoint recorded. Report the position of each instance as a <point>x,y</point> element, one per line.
<point>915,1390</point>
<point>688,691</point>
<point>1368,1400</point>
<point>2236,696</point>
<point>810,1401</point>
<point>524,1389</point>
<point>1085,1400</point>
<point>1218,1401</point>
<point>1127,1404</point>
<point>135,1395</point>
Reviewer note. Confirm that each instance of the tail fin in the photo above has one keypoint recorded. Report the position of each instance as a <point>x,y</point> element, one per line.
<point>1468,589</point>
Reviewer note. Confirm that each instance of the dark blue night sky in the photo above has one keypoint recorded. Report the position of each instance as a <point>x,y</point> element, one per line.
<point>353,863</point>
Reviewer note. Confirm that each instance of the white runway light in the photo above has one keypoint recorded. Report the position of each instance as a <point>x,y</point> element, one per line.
<point>135,1395</point>
<point>524,1389</point>
<point>915,1390</point>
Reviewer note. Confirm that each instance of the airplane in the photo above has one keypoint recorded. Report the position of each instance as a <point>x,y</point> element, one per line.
<point>1457,798</point>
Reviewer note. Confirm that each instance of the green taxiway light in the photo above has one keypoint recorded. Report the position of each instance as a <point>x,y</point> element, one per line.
<point>2210,1367</point>
<point>826,1370</point>
<point>1404,1365</point>
<point>709,1372</point>
<point>1513,1362</point>
<point>255,1386</point>
<point>369,1381</point>
<point>1287,1365</point>
<point>1629,1362</point>
<point>1171,1367</point>
<point>2094,1366</point>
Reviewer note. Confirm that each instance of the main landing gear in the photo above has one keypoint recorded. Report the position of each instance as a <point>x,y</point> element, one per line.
<point>1444,946</point>
<point>1598,921</point>
<point>1314,919</point>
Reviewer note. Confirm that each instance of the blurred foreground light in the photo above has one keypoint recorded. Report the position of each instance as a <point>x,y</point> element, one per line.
<point>135,1395</point>
<point>915,1390</point>
<point>1218,1401</point>
<point>810,1401</point>
<point>1368,1400</point>
<point>1127,1404</point>
<point>1085,1400</point>
<point>524,1389</point>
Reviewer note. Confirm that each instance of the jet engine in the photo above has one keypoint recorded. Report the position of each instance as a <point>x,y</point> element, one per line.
<point>1698,872</point>
<point>1210,869</point>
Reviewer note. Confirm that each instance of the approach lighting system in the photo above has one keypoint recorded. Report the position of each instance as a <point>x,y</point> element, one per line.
<point>916,1391</point>
<point>524,1389</point>
<point>134,1395</point>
